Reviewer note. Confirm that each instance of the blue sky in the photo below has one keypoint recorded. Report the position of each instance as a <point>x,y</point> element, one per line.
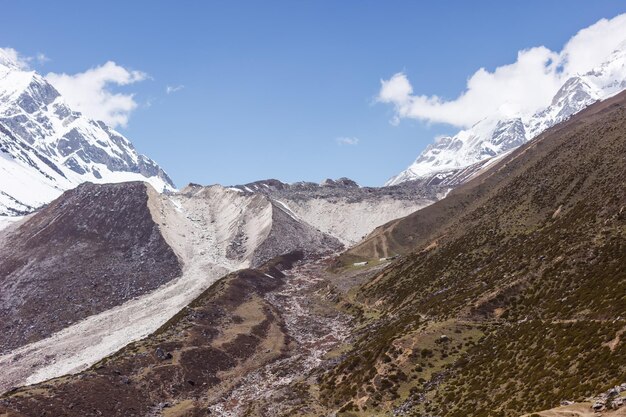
<point>269,87</point>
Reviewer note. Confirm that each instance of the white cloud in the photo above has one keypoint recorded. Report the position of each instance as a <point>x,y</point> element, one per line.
<point>41,58</point>
<point>90,92</point>
<point>9,56</point>
<point>344,140</point>
<point>173,88</point>
<point>523,87</point>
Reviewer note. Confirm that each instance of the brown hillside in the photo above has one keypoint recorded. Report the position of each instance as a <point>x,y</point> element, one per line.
<point>91,249</point>
<point>533,254</point>
<point>426,225</point>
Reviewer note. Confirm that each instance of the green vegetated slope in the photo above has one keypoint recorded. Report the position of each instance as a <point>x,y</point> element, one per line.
<point>513,296</point>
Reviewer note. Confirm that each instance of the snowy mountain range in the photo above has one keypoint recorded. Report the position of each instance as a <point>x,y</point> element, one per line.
<point>46,147</point>
<point>495,135</point>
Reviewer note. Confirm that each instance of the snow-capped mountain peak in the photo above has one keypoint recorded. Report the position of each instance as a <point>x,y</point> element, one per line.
<point>47,147</point>
<point>497,135</point>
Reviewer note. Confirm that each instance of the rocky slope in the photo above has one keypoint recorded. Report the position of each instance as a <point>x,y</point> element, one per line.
<point>237,349</point>
<point>46,147</point>
<point>80,251</point>
<point>197,356</point>
<point>497,135</point>
<point>89,251</point>
<point>75,274</point>
<point>343,209</point>
<point>612,402</point>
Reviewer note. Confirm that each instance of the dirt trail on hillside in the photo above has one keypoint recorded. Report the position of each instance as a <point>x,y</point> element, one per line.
<point>578,410</point>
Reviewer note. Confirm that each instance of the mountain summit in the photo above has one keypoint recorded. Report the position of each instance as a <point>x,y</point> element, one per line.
<point>495,135</point>
<point>46,147</point>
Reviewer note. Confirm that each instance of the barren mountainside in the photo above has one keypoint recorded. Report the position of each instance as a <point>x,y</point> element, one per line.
<point>74,259</point>
<point>229,330</point>
<point>103,256</point>
<point>342,208</point>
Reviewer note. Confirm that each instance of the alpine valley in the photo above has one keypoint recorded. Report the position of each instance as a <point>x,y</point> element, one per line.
<point>488,279</point>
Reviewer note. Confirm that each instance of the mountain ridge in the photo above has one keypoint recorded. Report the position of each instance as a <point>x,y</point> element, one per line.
<point>507,298</point>
<point>496,135</point>
<point>46,147</point>
<point>204,232</point>
<point>529,256</point>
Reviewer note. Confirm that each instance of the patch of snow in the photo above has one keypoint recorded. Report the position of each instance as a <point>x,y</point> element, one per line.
<point>6,221</point>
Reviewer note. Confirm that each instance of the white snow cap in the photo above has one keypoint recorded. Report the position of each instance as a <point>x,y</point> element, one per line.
<point>509,127</point>
<point>46,147</point>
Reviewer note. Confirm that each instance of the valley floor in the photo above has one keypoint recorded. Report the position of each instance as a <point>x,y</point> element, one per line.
<point>306,305</point>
